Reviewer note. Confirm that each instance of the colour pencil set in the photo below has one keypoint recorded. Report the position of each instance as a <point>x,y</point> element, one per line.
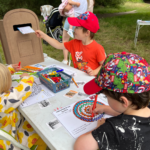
<point>54,79</point>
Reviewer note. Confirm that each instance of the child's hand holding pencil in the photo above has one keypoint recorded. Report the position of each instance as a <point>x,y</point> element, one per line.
<point>99,109</point>
<point>17,67</point>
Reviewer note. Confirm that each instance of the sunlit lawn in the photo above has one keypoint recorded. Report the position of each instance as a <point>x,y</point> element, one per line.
<point>129,6</point>
<point>116,34</point>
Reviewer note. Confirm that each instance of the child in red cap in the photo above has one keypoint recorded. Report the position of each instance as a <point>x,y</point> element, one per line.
<point>87,54</point>
<point>125,79</point>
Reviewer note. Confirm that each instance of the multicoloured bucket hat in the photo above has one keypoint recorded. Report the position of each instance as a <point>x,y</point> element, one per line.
<point>121,72</point>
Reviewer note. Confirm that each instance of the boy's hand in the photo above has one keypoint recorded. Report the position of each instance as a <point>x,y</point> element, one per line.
<point>90,71</point>
<point>39,34</point>
<point>16,67</point>
<point>100,122</point>
<point>24,74</point>
<point>98,110</point>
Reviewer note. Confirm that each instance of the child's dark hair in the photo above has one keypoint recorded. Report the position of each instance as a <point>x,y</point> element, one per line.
<point>139,100</point>
<point>91,33</point>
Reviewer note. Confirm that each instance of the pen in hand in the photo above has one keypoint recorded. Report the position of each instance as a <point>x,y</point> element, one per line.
<point>94,105</point>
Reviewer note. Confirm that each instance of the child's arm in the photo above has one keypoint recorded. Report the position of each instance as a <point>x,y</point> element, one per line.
<point>94,72</point>
<point>11,100</point>
<point>74,3</point>
<point>103,109</point>
<point>86,142</point>
<point>50,40</point>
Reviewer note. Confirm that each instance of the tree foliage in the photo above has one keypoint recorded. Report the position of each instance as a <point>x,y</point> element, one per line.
<point>34,5</point>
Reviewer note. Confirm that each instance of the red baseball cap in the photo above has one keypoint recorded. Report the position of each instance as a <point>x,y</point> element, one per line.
<point>87,20</point>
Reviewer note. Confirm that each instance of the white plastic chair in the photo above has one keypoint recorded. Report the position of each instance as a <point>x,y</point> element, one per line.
<point>8,137</point>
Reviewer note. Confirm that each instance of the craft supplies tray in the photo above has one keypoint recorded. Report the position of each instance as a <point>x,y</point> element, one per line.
<point>45,79</point>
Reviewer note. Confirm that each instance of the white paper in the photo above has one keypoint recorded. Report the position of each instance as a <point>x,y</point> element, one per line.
<point>39,66</point>
<point>67,71</point>
<point>75,126</point>
<point>39,91</point>
<point>78,82</point>
<point>26,30</point>
<point>37,80</point>
<point>39,94</point>
<point>15,77</point>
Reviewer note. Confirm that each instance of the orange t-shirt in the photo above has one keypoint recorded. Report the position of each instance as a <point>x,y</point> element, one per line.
<point>85,56</point>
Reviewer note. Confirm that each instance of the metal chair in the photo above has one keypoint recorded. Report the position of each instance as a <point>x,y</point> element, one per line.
<point>8,137</point>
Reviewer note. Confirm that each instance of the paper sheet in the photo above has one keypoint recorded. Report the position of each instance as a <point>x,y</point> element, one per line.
<point>39,94</point>
<point>39,91</point>
<point>26,30</point>
<point>67,71</point>
<point>39,66</point>
<point>74,125</point>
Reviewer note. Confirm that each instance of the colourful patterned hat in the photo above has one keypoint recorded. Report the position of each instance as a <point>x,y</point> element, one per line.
<point>123,73</point>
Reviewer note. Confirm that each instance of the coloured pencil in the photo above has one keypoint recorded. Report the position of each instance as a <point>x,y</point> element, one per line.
<point>75,82</point>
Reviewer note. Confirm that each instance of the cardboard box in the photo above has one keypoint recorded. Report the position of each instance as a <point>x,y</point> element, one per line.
<point>17,46</point>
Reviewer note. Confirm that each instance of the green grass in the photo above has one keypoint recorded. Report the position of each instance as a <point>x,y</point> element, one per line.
<point>116,34</point>
<point>128,6</point>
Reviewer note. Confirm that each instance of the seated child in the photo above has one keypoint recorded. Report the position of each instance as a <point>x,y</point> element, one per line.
<point>87,54</point>
<point>11,119</point>
<point>125,79</point>
<point>67,9</point>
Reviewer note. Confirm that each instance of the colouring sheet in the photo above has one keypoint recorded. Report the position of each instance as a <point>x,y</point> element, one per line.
<point>39,91</point>
<point>76,117</point>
